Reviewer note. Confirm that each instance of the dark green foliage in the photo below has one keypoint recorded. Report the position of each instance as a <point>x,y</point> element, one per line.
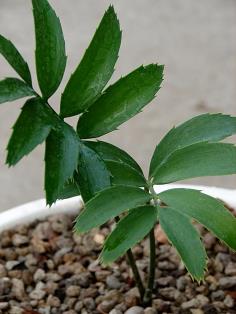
<point>61,160</point>
<point>50,47</point>
<point>110,181</point>
<point>142,219</point>
<point>12,89</point>
<point>95,69</point>
<point>93,176</point>
<point>121,101</point>
<point>31,129</point>
<point>14,58</point>
<point>186,240</point>
<point>109,204</point>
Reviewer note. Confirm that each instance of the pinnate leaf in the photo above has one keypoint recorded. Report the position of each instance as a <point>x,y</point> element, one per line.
<point>203,128</point>
<point>50,47</point>
<point>61,160</point>
<point>109,152</point>
<point>12,89</point>
<point>108,204</point>
<point>197,160</point>
<point>93,175</point>
<point>31,129</point>
<point>121,101</point>
<point>14,58</point>
<point>185,239</point>
<point>206,210</point>
<point>128,232</point>
<point>124,174</point>
<point>95,69</point>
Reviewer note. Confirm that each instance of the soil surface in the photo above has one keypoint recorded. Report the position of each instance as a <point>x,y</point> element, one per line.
<point>46,269</point>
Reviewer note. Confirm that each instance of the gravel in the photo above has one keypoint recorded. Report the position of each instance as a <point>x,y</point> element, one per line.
<point>46,269</point>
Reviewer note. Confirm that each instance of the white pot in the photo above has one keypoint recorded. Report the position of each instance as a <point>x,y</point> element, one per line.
<point>38,209</point>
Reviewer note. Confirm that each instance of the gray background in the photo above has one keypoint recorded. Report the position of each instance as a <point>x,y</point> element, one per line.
<point>194,39</point>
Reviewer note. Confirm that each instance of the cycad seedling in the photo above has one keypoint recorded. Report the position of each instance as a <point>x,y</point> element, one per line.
<point>110,182</point>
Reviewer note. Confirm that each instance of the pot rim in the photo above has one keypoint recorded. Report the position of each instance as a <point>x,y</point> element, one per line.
<point>38,209</point>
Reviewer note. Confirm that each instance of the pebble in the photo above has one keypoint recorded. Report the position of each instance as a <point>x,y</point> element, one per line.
<point>39,275</point>
<point>190,304</point>
<point>3,271</point>
<point>16,310</point>
<point>135,310</point>
<point>227,282</point>
<point>18,289</point>
<point>89,303</point>
<point>4,305</point>
<point>165,281</point>
<point>230,269</point>
<point>73,291</point>
<point>39,292</point>
<point>115,311</point>
<point>113,282</point>
<point>106,306</point>
<point>11,264</point>
<point>53,301</point>
<point>229,301</point>
<point>150,310</point>
<point>19,239</point>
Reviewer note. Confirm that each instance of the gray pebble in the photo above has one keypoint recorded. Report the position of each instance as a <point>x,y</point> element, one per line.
<point>229,301</point>
<point>19,239</point>
<point>3,305</point>
<point>135,310</point>
<point>227,282</point>
<point>115,311</point>
<point>73,291</point>
<point>39,275</point>
<point>113,282</point>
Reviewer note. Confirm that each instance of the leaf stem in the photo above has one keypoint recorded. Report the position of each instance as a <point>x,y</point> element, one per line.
<point>133,265</point>
<point>148,293</point>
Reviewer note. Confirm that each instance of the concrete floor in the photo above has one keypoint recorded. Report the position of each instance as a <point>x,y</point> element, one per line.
<point>194,39</point>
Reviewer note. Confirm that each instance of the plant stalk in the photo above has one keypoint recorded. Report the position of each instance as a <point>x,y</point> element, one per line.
<point>133,265</point>
<point>152,266</point>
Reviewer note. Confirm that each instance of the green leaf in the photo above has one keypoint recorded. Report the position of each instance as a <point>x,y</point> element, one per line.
<point>31,129</point>
<point>185,239</point>
<point>109,152</point>
<point>95,69</point>
<point>123,174</point>
<point>70,189</point>
<point>50,47</point>
<point>206,210</point>
<point>203,128</point>
<point>108,204</point>
<point>93,175</point>
<point>124,237</point>
<point>14,58</point>
<point>197,160</point>
<point>121,101</point>
<point>61,159</point>
<point>12,89</point>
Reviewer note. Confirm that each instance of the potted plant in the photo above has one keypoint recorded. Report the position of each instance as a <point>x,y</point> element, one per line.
<point>60,271</point>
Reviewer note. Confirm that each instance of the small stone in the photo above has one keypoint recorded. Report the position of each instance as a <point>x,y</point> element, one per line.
<point>165,265</point>
<point>18,289</point>
<point>170,293</point>
<point>115,311</point>
<point>218,295</point>
<point>39,292</point>
<point>181,283</point>
<point>89,303</point>
<point>227,282</point>
<point>230,269</point>
<point>78,306</point>
<point>73,291</point>
<point>135,310</point>
<point>54,277</point>
<point>5,286</point>
<point>229,301</point>
<point>113,282</point>
<point>3,271</point>
<point>106,306</point>
<point>165,281</point>
<point>209,240</point>
<point>39,275</point>
<point>53,301</point>
<point>11,264</point>
<point>150,310</point>
<point>16,310</point>
<point>99,238</point>
<point>19,239</point>
<point>197,311</point>
<point>70,312</point>
<point>102,275</point>
<point>203,300</point>
<point>161,305</point>
<point>190,304</point>
<point>4,305</point>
